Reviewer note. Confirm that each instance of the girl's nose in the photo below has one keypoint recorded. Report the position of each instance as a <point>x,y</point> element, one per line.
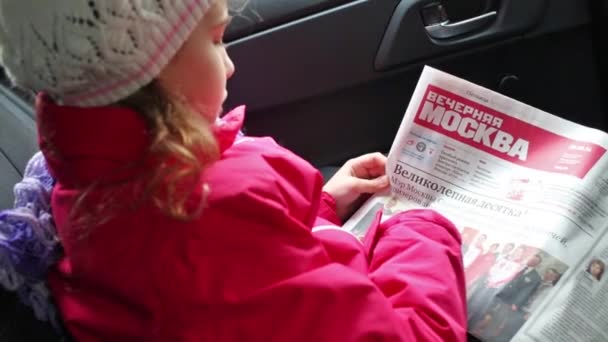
<point>229,66</point>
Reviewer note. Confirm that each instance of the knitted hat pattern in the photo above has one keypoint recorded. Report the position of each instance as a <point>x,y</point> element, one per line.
<point>89,53</point>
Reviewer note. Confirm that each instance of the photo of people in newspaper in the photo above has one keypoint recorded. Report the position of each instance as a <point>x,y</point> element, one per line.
<point>506,282</point>
<point>579,312</point>
<point>471,251</point>
<point>596,269</point>
<point>466,236</point>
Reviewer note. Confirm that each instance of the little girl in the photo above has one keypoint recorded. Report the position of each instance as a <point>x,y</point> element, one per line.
<point>175,227</point>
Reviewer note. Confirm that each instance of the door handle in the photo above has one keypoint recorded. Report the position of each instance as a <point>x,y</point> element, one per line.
<point>426,25</point>
<point>448,29</point>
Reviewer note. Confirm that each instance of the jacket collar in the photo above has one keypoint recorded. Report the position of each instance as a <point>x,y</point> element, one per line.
<point>82,145</point>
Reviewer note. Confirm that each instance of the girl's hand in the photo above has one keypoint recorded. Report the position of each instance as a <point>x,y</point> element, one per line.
<point>358,176</point>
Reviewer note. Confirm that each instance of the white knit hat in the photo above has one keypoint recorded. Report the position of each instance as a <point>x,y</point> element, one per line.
<point>92,52</point>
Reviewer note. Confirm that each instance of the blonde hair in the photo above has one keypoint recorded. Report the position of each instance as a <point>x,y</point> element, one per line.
<point>181,146</point>
<point>181,140</point>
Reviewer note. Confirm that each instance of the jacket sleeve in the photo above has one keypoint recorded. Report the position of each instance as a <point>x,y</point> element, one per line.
<point>327,209</point>
<point>259,273</point>
<point>415,260</point>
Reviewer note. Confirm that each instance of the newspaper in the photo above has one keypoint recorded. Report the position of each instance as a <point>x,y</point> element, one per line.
<point>529,194</point>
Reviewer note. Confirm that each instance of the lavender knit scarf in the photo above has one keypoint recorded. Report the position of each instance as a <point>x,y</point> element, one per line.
<point>29,245</point>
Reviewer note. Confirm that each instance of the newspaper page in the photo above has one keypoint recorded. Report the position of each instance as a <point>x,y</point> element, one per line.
<point>529,194</point>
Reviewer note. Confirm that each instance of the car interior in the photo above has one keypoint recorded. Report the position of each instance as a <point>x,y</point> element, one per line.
<point>331,79</point>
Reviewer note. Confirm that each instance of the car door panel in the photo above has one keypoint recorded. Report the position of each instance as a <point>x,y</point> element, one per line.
<point>298,60</point>
<point>260,15</point>
<point>17,142</point>
<point>314,83</point>
<point>17,129</point>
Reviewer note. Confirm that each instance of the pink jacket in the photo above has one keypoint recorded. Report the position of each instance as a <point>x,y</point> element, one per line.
<point>263,262</point>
